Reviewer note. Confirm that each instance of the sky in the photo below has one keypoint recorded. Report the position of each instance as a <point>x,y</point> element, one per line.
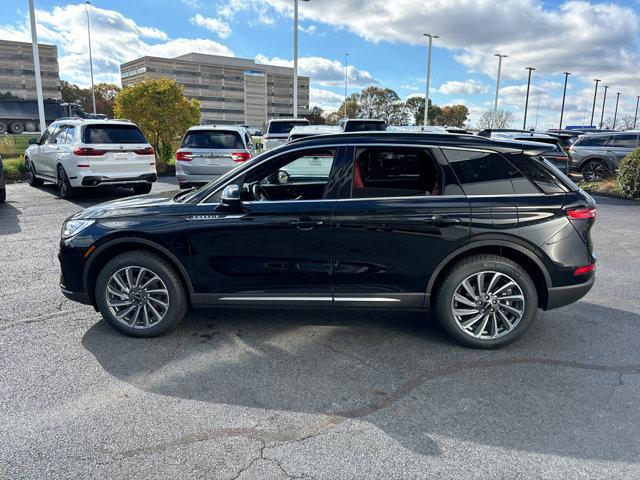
<point>384,42</point>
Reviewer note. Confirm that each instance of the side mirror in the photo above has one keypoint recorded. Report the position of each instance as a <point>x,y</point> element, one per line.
<point>231,197</point>
<point>33,141</point>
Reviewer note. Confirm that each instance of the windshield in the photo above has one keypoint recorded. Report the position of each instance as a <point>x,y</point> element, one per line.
<point>214,139</point>
<point>113,134</point>
<point>279,128</point>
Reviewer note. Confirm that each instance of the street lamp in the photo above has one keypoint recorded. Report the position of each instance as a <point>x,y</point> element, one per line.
<point>526,102</point>
<point>346,81</point>
<point>426,97</point>
<point>635,119</point>
<point>295,57</point>
<point>593,109</point>
<point>604,100</point>
<point>564,95</point>
<point>615,115</point>
<point>93,92</point>
<point>36,66</point>
<point>500,57</point>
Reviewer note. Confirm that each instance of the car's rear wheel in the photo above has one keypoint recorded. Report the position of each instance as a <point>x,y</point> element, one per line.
<point>595,170</point>
<point>31,175</point>
<point>140,294</point>
<point>486,301</point>
<point>142,189</point>
<point>65,190</point>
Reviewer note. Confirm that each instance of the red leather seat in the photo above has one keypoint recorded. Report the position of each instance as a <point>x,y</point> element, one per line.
<point>357,176</point>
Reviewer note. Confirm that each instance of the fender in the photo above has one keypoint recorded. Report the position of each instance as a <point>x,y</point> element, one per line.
<point>141,241</point>
<point>491,243</point>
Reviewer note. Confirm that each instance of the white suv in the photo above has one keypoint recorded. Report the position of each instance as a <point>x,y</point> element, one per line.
<point>75,153</point>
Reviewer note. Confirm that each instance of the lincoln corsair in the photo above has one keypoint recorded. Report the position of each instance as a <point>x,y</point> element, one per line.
<point>483,232</point>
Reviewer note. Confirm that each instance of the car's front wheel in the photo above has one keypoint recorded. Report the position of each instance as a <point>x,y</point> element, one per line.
<point>595,170</point>
<point>486,301</point>
<point>140,294</point>
<point>31,175</point>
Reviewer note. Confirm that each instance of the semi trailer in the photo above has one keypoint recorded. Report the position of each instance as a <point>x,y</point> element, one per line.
<point>19,116</point>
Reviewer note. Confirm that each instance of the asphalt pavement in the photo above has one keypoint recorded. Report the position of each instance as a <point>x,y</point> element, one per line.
<point>261,394</point>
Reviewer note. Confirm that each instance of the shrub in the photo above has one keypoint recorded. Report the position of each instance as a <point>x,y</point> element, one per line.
<point>13,169</point>
<point>629,174</point>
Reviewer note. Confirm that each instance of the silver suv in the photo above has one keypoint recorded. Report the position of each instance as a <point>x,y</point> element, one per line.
<point>209,151</point>
<point>597,155</point>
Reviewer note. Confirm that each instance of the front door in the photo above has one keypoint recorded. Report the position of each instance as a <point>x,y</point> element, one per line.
<point>404,214</point>
<point>276,248</point>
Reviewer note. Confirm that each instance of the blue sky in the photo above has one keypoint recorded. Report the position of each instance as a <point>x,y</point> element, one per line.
<point>589,39</point>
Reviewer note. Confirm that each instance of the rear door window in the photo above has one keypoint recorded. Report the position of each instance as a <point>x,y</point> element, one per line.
<point>282,128</point>
<point>487,173</point>
<point>625,141</point>
<point>213,139</point>
<point>113,134</point>
<point>591,141</point>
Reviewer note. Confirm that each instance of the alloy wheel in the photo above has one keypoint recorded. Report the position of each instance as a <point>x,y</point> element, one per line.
<point>594,171</point>
<point>488,305</point>
<point>30,173</point>
<point>137,297</point>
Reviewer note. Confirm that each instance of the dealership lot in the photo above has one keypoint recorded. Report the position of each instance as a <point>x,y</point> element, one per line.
<point>297,394</point>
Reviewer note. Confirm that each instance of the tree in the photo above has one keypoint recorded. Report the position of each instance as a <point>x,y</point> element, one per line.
<point>8,96</point>
<point>316,116</point>
<point>162,112</point>
<point>333,118</point>
<point>495,119</point>
<point>376,102</point>
<point>415,105</point>
<point>626,123</point>
<point>454,115</point>
<point>105,96</point>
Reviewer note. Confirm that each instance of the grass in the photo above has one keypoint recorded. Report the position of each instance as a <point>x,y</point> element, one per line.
<point>609,186</point>
<point>13,169</point>
<point>14,145</point>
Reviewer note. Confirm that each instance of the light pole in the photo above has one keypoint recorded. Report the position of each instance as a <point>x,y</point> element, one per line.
<point>635,119</point>
<point>604,100</point>
<point>615,115</point>
<point>526,102</point>
<point>346,81</point>
<point>36,66</point>
<point>426,97</point>
<point>564,95</point>
<point>593,109</point>
<point>295,57</point>
<point>538,108</point>
<point>93,92</point>
<point>500,57</point>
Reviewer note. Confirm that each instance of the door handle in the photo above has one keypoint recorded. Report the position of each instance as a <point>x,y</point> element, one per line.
<point>441,220</point>
<point>305,224</point>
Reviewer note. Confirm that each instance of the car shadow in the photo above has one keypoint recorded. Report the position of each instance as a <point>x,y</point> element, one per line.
<point>9,218</point>
<point>559,390</point>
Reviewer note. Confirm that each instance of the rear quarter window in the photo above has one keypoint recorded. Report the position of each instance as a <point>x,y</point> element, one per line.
<point>112,134</point>
<point>590,141</point>
<point>281,128</point>
<point>213,139</point>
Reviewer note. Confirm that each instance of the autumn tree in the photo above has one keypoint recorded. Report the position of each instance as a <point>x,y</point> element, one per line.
<point>105,96</point>
<point>454,115</point>
<point>316,116</point>
<point>162,112</point>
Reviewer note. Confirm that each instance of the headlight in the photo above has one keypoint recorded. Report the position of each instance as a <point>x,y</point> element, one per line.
<point>74,227</point>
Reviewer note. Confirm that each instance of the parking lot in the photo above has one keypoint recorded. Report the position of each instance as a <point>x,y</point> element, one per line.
<point>310,394</point>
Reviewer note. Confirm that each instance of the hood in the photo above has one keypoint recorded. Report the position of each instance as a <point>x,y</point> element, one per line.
<point>131,206</point>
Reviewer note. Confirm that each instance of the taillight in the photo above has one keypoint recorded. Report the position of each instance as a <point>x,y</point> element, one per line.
<point>584,270</point>
<point>240,157</point>
<point>581,213</point>
<point>88,152</point>
<point>144,151</point>
<point>184,156</point>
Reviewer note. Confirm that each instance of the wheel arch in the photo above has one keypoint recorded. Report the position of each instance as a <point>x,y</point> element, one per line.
<point>107,251</point>
<point>511,250</point>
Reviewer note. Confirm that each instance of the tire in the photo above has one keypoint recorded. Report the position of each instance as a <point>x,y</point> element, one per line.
<point>3,127</point>
<point>496,272</point>
<point>135,324</point>
<point>3,195</point>
<point>142,189</point>
<point>31,174</point>
<point>65,190</point>
<point>16,128</point>
<point>595,170</point>
<point>30,126</point>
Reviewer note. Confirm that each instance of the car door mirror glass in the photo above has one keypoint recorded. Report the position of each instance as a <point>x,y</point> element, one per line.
<point>231,196</point>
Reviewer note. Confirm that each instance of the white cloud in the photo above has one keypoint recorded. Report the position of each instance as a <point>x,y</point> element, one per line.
<point>221,28</point>
<point>323,71</point>
<point>114,39</point>
<point>326,99</point>
<point>468,87</point>
<point>311,29</point>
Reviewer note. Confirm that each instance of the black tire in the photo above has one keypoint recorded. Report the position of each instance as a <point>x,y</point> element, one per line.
<point>595,170</point>
<point>16,128</point>
<point>3,127</point>
<point>142,188</point>
<point>177,298</point>
<point>31,174</point>
<point>474,265</point>
<point>65,190</point>
<point>3,195</point>
<point>30,126</point>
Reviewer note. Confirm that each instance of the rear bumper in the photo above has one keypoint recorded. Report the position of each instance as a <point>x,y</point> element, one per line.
<point>95,180</point>
<point>190,179</point>
<point>560,296</point>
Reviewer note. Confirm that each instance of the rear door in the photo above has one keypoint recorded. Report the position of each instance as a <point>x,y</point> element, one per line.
<point>212,152</point>
<point>624,144</point>
<point>116,151</point>
<point>49,153</point>
<point>400,215</point>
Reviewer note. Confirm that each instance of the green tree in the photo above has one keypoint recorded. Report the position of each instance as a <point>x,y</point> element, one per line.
<point>8,96</point>
<point>162,112</point>
<point>105,96</point>
<point>316,116</point>
<point>415,106</point>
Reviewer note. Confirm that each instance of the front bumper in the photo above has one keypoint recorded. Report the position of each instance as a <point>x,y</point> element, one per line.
<point>560,296</point>
<point>79,297</point>
<point>95,180</point>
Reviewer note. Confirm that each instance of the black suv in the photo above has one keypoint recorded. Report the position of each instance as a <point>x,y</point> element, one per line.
<point>484,232</point>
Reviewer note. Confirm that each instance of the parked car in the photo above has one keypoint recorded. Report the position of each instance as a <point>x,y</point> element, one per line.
<point>362,125</point>
<point>565,137</point>
<point>304,131</point>
<point>483,232</point>
<point>277,130</point>
<point>3,189</point>
<point>254,132</point>
<point>75,153</point>
<point>416,129</point>
<point>209,151</point>
<point>597,155</point>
